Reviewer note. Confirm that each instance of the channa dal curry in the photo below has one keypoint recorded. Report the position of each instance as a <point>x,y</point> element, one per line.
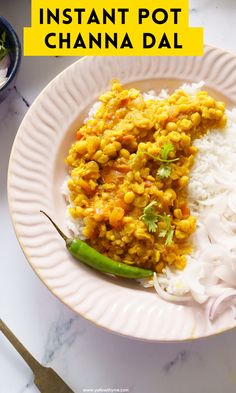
<point>129,170</point>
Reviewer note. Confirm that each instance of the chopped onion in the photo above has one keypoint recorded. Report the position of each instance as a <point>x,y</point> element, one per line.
<point>217,232</point>
<point>226,274</point>
<point>228,293</point>
<point>213,251</point>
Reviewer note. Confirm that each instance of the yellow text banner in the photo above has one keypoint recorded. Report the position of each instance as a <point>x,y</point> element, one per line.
<point>112,27</point>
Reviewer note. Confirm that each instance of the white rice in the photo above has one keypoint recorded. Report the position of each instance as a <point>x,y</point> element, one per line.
<point>212,199</point>
<point>92,111</point>
<point>75,226</point>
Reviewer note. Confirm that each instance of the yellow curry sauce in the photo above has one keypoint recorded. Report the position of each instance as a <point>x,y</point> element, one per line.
<point>116,172</point>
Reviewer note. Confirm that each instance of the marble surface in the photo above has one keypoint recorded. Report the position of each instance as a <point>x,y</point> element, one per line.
<point>85,356</point>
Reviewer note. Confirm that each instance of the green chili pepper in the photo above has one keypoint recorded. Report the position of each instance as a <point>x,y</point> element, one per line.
<point>89,256</point>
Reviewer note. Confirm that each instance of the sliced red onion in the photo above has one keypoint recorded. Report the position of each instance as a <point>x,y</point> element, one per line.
<point>217,233</point>
<point>167,296</point>
<point>219,301</point>
<point>214,251</point>
<point>199,297</point>
<point>226,274</point>
<point>233,308</point>
<point>216,290</point>
<point>201,236</point>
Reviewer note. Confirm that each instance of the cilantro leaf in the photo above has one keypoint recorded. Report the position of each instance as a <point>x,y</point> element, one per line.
<point>169,237</point>
<point>152,226</point>
<point>166,218</point>
<point>164,171</point>
<point>159,158</point>
<point>133,159</point>
<point>166,232</point>
<point>3,49</point>
<point>162,233</point>
<point>150,217</point>
<point>166,149</point>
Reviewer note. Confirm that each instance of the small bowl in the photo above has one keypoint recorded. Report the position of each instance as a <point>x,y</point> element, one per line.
<point>14,46</point>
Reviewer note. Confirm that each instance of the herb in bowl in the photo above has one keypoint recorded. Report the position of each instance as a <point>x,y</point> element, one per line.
<point>3,49</point>
<point>4,59</point>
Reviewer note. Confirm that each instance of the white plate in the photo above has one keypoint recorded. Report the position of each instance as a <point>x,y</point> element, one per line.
<point>37,170</point>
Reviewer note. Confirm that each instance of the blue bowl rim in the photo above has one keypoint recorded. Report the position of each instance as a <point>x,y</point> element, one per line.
<point>17,61</point>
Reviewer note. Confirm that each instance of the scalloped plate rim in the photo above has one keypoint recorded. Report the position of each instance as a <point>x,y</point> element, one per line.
<point>28,257</point>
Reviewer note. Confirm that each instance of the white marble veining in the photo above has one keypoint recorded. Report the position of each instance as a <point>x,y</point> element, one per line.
<point>84,355</point>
